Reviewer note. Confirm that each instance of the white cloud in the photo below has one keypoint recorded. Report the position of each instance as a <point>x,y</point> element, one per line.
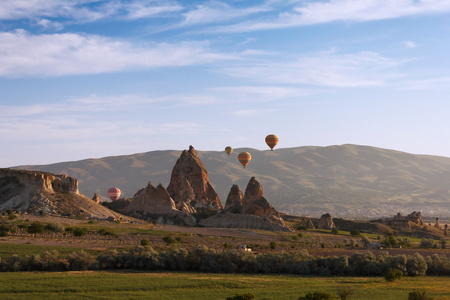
<point>23,54</point>
<point>84,10</point>
<point>251,112</point>
<point>215,11</point>
<point>260,93</point>
<point>49,25</point>
<point>409,44</point>
<point>342,10</point>
<point>322,69</point>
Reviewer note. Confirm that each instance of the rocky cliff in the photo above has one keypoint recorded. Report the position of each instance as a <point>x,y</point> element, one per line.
<point>151,200</point>
<point>235,200</point>
<point>189,184</point>
<point>34,191</point>
<point>254,203</point>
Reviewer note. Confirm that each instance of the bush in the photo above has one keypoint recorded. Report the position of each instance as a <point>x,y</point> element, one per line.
<point>12,216</point>
<point>300,227</point>
<point>80,261</point>
<point>35,227</point>
<point>273,245</point>
<point>356,233</point>
<point>169,240</point>
<point>318,296</point>
<point>344,292</point>
<point>246,296</point>
<point>393,274</point>
<point>145,242</point>
<point>78,231</point>
<point>417,295</point>
<point>334,230</point>
<point>228,246</point>
<point>426,243</point>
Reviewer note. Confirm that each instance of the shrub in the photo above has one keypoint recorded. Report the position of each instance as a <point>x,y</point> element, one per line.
<point>426,243</point>
<point>273,245</point>
<point>78,231</point>
<point>178,239</point>
<point>318,296</point>
<point>246,296</point>
<point>35,227</point>
<point>300,227</point>
<point>54,227</point>
<point>228,246</point>
<point>417,295</point>
<point>145,242</point>
<point>169,240</point>
<point>80,261</point>
<point>344,292</point>
<point>356,233</point>
<point>393,274</point>
<point>12,216</point>
<point>334,230</point>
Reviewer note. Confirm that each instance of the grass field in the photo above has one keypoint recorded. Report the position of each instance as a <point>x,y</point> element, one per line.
<point>156,285</point>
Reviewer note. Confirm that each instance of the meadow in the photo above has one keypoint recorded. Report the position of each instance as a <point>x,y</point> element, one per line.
<point>164,285</point>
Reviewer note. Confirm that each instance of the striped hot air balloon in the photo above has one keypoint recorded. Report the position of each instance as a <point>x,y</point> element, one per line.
<point>114,193</point>
<point>271,141</point>
<point>244,158</point>
<point>228,150</point>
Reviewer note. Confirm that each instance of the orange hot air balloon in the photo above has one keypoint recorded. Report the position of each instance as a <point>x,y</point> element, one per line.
<point>114,193</point>
<point>271,141</point>
<point>244,158</point>
<point>228,150</point>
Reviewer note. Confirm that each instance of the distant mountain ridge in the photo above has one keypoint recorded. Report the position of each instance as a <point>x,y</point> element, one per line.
<point>345,180</point>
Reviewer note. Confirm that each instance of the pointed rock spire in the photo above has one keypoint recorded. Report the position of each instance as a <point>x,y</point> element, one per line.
<point>234,200</point>
<point>190,184</point>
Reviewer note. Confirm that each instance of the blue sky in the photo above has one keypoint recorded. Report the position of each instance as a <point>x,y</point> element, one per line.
<point>84,79</point>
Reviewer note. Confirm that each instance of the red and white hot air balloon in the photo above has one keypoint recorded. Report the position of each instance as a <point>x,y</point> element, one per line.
<point>114,193</point>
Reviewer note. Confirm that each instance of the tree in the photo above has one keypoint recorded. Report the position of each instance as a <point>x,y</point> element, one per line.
<point>393,274</point>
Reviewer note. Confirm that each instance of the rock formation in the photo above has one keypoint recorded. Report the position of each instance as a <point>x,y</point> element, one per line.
<point>234,200</point>
<point>58,195</point>
<point>230,220</point>
<point>96,198</point>
<point>415,217</point>
<point>190,184</point>
<point>157,203</point>
<point>437,225</point>
<point>310,225</point>
<point>254,203</point>
<point>446,230</point>
<point>326,222</point>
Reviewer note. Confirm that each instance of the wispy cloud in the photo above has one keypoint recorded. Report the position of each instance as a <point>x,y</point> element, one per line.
<point>23,54</point>
<point>309,13</point>
<point>84,10</point>
<point>409,44</point>
<point>321,69</point>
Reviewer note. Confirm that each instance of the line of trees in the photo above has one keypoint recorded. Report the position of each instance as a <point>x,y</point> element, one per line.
<point>203,259</point>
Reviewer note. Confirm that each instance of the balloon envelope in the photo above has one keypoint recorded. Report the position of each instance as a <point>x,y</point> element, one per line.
<point>228,150</point>
<point>244,158</point>
<point>114,193</point>
<point>271,141</point>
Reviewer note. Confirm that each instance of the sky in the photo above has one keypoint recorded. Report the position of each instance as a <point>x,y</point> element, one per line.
<point>88,79</point>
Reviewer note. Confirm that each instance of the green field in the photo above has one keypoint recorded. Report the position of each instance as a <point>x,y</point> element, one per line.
<point>164,285</point>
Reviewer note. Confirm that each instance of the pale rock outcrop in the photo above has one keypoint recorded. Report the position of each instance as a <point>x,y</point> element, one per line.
<point>415,217</point>
<point>254,203</point>
<point>53,194</point>
<point>189,183</point>
<point>234,202</point>
<point>437,225</point>
<point>326,222</point>
<point>229,220</point>
<point>96,198</point>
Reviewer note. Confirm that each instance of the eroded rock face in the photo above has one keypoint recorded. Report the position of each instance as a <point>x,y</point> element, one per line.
<point>53,194</point>
<point>235,199</point>
<point>96,198</point>
<point>229,220</point>
<point>437,225</point>
<point>415,217</point>
<point>151,200</point>
<point>254,203</point>
<point>190,184</point>
<point>326,222</point>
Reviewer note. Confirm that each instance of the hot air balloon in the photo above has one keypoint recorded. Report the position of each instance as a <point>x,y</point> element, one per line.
<point>228,150</point>
<point>114,193</point>
<point>271,141</point>
<point>244,158</point>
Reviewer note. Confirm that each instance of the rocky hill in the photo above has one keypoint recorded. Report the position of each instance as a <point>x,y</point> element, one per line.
<point>46,193</point>
<point>348,180</point>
